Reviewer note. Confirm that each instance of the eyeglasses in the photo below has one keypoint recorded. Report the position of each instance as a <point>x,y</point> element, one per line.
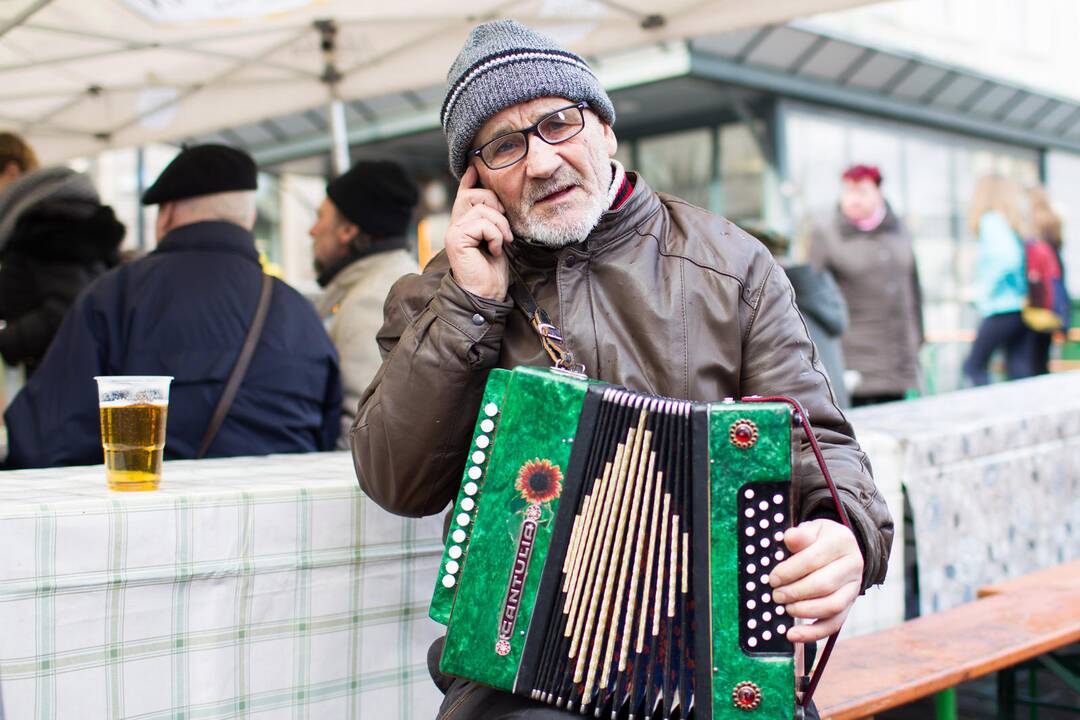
<point>506,149</point>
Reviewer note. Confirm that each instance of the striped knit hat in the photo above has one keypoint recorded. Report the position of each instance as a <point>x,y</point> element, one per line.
<point>505,63</point>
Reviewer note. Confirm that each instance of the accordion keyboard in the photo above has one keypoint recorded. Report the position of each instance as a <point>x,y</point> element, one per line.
<point>763,517</point>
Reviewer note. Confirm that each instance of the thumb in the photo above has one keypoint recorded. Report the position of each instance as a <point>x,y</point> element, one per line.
<point>801,536</point>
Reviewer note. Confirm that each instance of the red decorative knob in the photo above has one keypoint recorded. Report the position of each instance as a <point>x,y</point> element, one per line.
<point>743,433</point>
<point>746,696</point>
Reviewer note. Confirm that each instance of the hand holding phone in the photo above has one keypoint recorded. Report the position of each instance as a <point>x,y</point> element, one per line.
<point>474,241</point>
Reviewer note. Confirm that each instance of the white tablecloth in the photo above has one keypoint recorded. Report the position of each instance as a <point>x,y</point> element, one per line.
<point>246,587</point>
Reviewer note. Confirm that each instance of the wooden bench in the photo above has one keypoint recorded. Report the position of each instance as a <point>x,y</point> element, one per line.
<point>933,654</point>
<point>1059,577</point>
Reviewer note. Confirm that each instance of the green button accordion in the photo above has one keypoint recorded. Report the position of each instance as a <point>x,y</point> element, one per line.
<point>609,551</point>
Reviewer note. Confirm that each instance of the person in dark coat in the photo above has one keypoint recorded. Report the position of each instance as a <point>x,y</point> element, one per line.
<point>869,251</point>
<point>55,238</point>
<point>184,310</point>
<point>822,307</point>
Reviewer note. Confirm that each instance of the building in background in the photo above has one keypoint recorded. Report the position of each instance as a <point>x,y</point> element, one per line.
<point>757,124</point>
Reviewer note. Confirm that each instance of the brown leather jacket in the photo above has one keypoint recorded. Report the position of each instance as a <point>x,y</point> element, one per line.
<point>663,297</point>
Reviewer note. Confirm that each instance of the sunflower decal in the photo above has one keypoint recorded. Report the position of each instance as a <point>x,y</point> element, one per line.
<point>539,481</point>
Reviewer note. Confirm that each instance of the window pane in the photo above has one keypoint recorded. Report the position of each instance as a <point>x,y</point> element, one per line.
<point>679,163</point>
<point>742,175</point>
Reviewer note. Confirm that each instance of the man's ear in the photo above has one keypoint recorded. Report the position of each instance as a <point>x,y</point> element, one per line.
<point>346,231</point>
<point>163,222</point>
<point>611,144</point>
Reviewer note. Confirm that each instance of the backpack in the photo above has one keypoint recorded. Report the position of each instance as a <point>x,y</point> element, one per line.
<point>1047,307</point>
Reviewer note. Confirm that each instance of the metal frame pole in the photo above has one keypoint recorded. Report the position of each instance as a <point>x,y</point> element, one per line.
<point>331,76</point>
<point>339,136</point>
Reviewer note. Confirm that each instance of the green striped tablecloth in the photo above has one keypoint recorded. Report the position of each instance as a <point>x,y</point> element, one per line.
<point>245,587</point>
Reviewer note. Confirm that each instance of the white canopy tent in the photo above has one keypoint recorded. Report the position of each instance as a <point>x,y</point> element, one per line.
<point>80,76</point>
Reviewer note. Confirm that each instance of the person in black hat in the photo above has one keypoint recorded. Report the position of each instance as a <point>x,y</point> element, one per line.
<point>185,311</point>
<point>360,249</point>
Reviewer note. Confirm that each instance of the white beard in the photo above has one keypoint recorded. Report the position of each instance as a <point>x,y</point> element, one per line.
<point>554,231</point>
<point>559,232</point>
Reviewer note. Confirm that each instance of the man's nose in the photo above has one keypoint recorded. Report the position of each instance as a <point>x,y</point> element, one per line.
<point>542,160</point>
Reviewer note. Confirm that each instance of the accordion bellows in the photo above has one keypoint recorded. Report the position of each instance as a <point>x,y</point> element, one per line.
<point>609,551</point>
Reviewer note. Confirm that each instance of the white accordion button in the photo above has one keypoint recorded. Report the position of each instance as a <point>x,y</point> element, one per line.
<point>749,494</point>
<point>751,586</point>
<point>751,623</point>
<point>467,504</point>
<point>765,542</point>
<point>751,568</point>
<point>749,512</point>
<point>752,642</point>
<point>764,579</point>
<point>471,487</point>
<point>474,473</point>
<point>779,555</point>
<point>463,519</point>
<point>483,441</point>
<point>780,611</point>
<point>454,551</point>
<point>487,426</point>
<point>766,616</point>
<point>766,598</point>
<point>491,409</point>
<point>448,581</point>
<point>764,523</point>
<point>778,536</point>
<point>778,517</point>
<point>458,536</point>
<point>750,550</point>
<point>765,561</point>
<point>478,458</point>
<point>452,567</point>
<point>778,498</point>
<point>782,629</point>
<point>766,635</point>
<point>751,604</point>
<point>750,531</point>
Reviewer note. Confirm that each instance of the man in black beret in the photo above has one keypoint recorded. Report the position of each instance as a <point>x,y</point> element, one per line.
<point>360,249</point>
<point>185,311</point>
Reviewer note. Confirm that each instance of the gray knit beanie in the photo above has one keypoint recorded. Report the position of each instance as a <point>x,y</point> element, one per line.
<point>505,63</point>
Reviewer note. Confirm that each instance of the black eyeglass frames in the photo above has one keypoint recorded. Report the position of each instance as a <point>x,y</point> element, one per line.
<point>506,149</point>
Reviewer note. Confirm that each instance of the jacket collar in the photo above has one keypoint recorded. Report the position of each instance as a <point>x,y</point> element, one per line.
<point>213,235</point>
<point>376,246</point>
<point>615,227</point>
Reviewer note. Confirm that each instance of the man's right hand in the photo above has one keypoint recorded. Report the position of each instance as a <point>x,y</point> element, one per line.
<point>474,241</point>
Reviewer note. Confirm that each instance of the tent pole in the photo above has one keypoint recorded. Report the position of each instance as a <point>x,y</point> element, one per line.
<point>331,76</point>
<point>339,138</point>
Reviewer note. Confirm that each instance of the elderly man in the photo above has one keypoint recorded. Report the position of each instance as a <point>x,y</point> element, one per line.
<point>360,249</point>
<point>648,291</point>
<point>185,310</point>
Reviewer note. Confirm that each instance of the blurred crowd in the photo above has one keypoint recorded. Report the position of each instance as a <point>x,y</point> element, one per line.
<point>861,299</point>
<point>72,308</point>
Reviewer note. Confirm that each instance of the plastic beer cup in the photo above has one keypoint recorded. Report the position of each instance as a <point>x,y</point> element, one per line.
<point>133,410</point>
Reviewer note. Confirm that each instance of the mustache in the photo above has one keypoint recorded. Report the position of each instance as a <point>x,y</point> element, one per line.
<point>563,179</point>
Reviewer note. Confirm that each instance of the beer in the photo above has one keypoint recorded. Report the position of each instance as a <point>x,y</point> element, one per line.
<point>134,438</point>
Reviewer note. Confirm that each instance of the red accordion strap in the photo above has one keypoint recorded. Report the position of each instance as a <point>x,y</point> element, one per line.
<point>804,421</point>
